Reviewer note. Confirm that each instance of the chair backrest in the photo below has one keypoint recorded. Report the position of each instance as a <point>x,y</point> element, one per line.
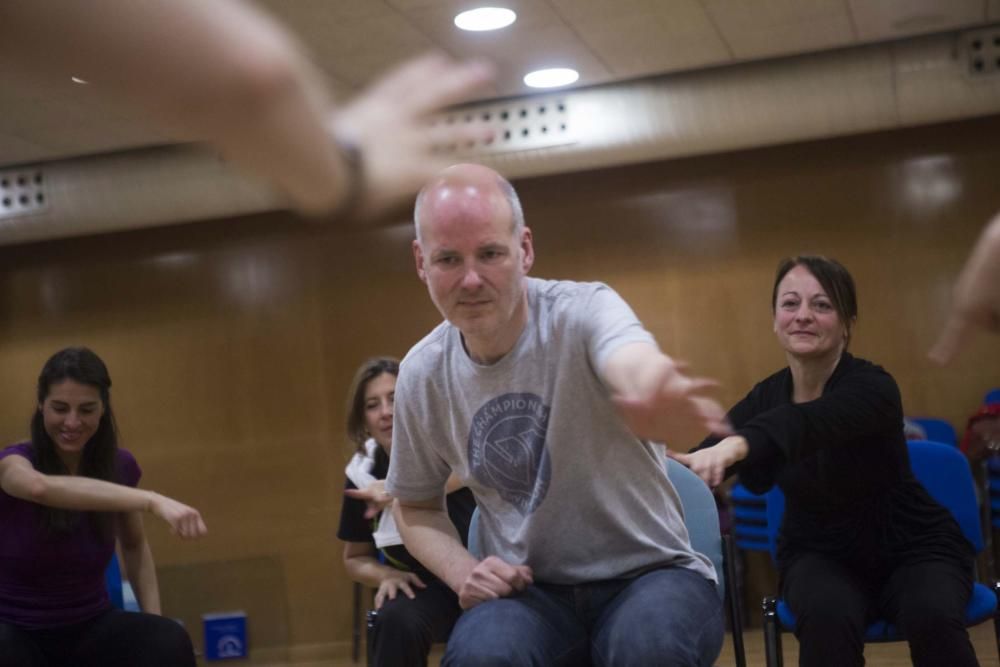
<point>113,582</point>
<point>940,468</point>
<point>992,396</point>
<point>937,430</point>
<point>749,518</point>
<point>474,547</point>
<point>775,512</point>
<point>701,516</point>
<point>944,472</point>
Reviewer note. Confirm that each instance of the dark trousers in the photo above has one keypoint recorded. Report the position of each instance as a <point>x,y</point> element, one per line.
<point>406,628</point>
<point>833,604</point>
<point>113,639</point>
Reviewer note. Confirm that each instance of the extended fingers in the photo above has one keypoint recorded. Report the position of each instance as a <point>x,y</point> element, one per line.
<point>683,459</point>
<point>956,334</point>
<point>191,526</point>
<point>446,82</point>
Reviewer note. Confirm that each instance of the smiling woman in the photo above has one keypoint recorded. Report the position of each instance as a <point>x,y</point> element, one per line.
<point>65,498</point>
<point>861,537</point>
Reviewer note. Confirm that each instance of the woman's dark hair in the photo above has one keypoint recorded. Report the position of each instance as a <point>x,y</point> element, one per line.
<point>368,371</point>
<point>835,280</point>
<point>99,453</point>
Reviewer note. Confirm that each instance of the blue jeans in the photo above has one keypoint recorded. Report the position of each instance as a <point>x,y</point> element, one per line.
<point>671,617</point>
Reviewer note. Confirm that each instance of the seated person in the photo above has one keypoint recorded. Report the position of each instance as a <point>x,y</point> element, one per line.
<point>65,497</point>
<point>862,538</point>
<point>416,608</point>
<point>518,392</point>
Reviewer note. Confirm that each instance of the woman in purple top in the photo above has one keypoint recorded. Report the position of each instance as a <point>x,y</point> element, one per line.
<point>65,497</point>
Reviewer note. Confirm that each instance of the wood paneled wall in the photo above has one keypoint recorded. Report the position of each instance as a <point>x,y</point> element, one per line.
<point>231,343</point>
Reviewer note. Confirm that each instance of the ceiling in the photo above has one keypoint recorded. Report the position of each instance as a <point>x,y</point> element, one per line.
<point>47,118</point>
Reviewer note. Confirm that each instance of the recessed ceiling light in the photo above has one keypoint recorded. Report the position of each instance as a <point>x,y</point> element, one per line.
<point>76,79</point>
<point>485,18</point>
<point>551,78</point>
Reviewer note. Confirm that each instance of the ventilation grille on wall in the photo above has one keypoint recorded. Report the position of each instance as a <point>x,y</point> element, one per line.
<point>982,51</point>
<point>22,192</point>
<point>518,125</point>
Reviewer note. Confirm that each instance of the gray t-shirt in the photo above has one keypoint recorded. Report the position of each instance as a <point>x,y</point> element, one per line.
<point>562,484</point>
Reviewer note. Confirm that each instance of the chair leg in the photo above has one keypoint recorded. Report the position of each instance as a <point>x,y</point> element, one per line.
<point>732,604</point>
<point>356,625</point>
<point>772,634</point>
<point>996,616</point>
<point>370,638</point>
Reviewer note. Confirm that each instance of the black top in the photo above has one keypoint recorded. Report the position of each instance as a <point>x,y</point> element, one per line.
<point>844,467</point>
<point>355,528</point>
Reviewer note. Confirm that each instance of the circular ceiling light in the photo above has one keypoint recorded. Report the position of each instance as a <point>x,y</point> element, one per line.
<point>485,18</point>
<point>551,78</point>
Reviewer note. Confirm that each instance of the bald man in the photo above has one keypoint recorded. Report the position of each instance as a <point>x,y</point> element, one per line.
<point>535,393</point>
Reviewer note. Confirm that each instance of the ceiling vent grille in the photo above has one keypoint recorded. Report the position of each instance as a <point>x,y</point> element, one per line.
<point>518,125</point>
<point>982,51</point>
<point>22,192</point>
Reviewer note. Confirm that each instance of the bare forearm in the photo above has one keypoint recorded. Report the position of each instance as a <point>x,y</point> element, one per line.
<point>636,370</point>
<point>367,570</point>
<point>432,539</point>
<point>82,494</point>
<point>141,573</point>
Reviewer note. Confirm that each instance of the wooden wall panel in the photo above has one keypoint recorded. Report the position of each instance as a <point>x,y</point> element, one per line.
<point>231,343</point>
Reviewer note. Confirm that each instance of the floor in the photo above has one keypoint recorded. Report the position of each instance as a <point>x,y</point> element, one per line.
<point>877,655</point>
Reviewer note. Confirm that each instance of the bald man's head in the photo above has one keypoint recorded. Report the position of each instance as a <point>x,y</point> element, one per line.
<point>467,190</point>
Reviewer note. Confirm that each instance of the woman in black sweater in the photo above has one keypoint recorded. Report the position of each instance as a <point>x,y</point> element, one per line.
<point>861,538</point>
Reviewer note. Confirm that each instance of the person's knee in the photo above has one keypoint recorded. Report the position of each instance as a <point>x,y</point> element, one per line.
<point>659,648</point>
<point>499,634</point>
<point>472,655</point>
<point>171,644</point>
<point>924,617</point>
<point>828,619</point>
<point>398,621</point>
<point>829,616</point>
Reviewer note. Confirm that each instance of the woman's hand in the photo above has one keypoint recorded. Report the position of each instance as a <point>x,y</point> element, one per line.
<point>184,521</point>
<point>373,495</point>
<point>710,463</point>
<point>396,582</point>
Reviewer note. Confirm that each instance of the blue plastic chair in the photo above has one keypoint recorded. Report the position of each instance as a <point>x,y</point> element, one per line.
<point>701,516</point>
<point>113,582</point>
<point>749,518</point>
<point>992,396</point>
<point>944,472</point>
<point>937,430</point>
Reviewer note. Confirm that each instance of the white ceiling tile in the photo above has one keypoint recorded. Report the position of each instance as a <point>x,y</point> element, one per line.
<point>636,38</point>
<point>891,19</point>
<point>765,28</point>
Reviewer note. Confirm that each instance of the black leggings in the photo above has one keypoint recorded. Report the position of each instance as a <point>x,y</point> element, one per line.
<point>113,639</point>
<point>833,604</point>
<point>406,628</point>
